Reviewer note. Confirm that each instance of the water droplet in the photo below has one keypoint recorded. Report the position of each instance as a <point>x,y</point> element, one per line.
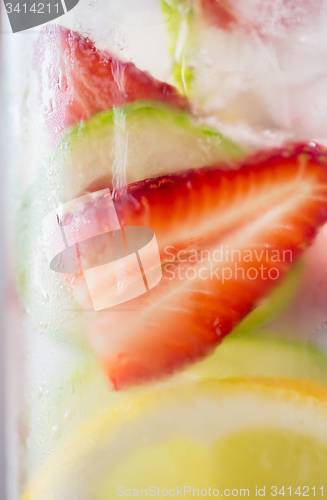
<point>67,415</point>
<point>62,82</point>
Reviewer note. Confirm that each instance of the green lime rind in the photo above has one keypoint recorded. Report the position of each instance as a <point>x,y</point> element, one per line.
<point>179,11</point>
<point>264,354</point>
<point>274,304</point>
<point>181,40</point>
<point>172,24</point>
<point>142,139</point>
<point>141,112</point>
<point>183,76</point>
<point>155,139</point>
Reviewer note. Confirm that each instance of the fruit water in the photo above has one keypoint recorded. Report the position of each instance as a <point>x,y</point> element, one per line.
<point>167,179</point>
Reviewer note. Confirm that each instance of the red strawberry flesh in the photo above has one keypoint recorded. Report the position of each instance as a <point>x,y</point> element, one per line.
<point>78,80</point>
<point>272,204</point>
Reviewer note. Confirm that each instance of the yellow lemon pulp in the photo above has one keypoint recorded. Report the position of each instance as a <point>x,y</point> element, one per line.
<point>210,433</point>
<point>86,394</point>
<point>242,464</point>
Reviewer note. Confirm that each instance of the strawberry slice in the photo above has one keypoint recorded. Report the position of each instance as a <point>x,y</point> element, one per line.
<point>228,237</point>
<point>77,80</point>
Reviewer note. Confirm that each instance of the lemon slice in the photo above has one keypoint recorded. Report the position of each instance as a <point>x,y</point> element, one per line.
<point>236,434</point>
<point>71,399</point>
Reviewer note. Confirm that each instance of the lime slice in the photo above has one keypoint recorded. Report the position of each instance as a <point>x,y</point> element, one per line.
<point>241,433</point>
<point>274,304</point>
<point>140,140</point>
<point>263,354</point>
